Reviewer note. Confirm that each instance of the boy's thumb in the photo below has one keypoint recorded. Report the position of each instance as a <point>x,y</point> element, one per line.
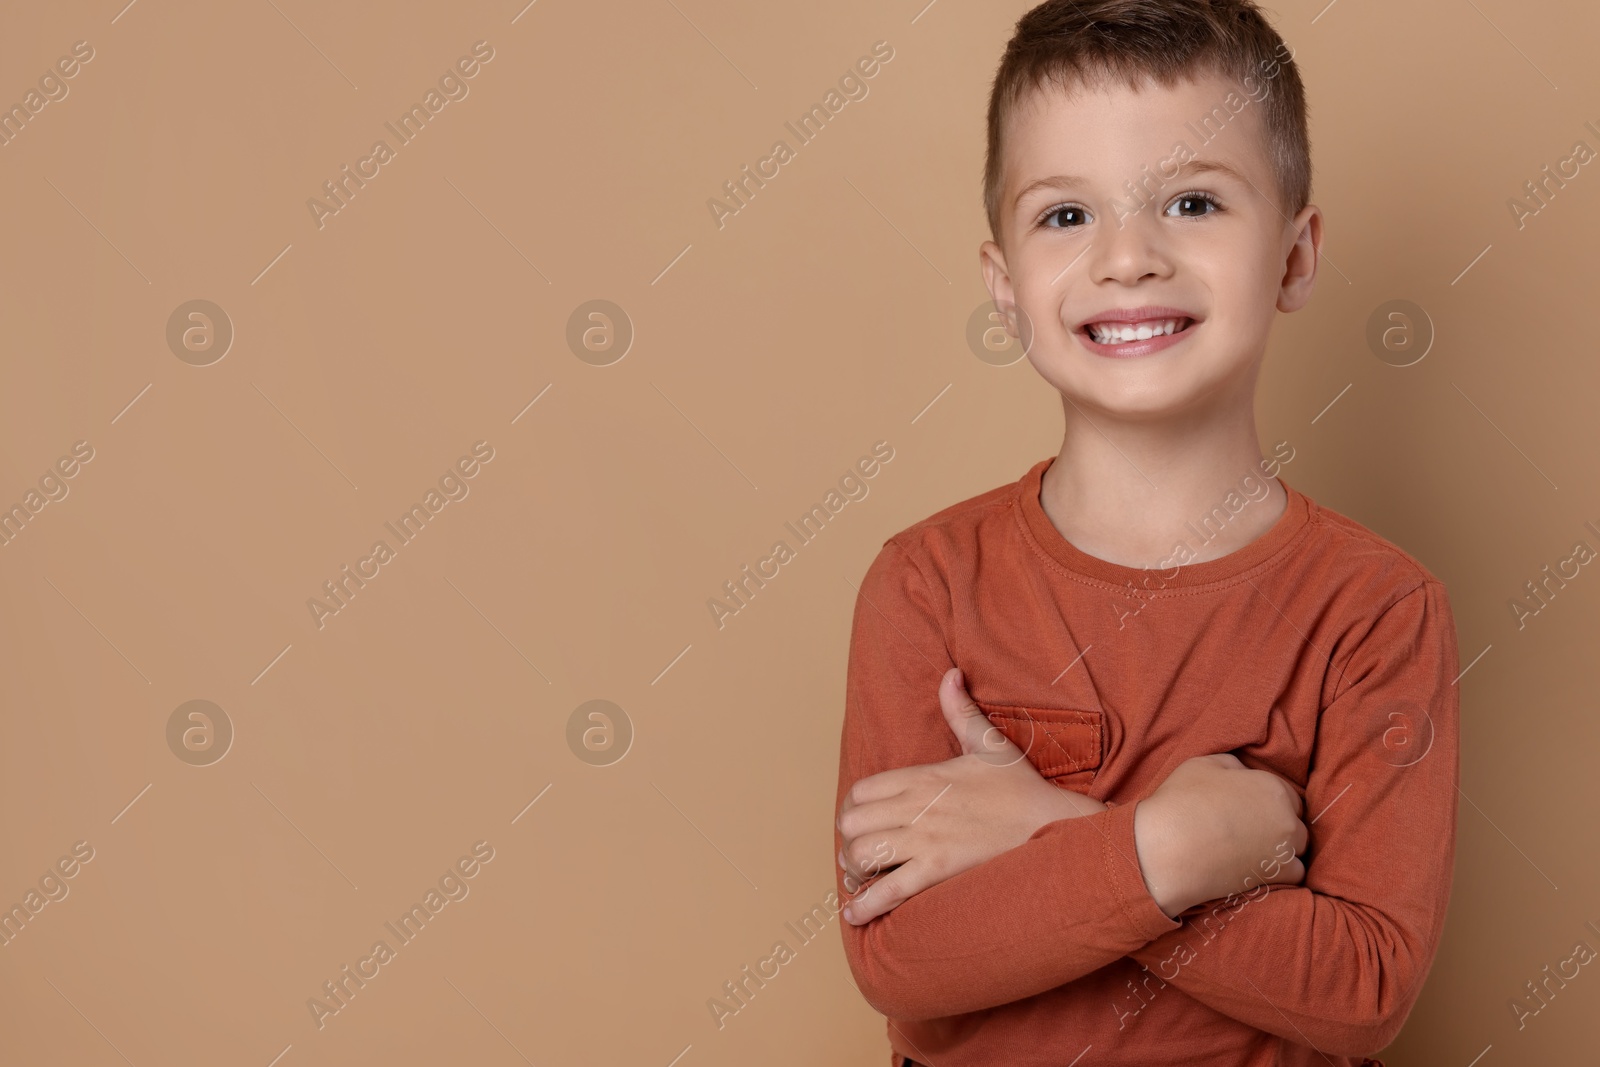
<point>970,725</point>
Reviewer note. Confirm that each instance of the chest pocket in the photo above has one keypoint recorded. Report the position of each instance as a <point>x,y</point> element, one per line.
<point>1064,745</point>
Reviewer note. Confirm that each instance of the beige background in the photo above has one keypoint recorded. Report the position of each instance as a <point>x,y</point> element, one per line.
<point>428,313</point>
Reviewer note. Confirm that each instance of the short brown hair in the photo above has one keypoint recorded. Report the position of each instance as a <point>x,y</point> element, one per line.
<point>1082,42</point>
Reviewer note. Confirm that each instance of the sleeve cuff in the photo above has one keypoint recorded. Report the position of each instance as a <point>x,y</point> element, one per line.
<point>1126,878</point>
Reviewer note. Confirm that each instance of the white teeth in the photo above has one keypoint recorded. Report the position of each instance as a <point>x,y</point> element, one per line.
<point>1107,333</point>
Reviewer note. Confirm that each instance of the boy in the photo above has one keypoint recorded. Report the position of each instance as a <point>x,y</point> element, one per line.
<point>1202,812</point>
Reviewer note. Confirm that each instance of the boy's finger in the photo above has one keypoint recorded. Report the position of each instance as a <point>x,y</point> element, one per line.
<point>886,894</point>
<point>1291,873</point>
<point>874,787</point>
<point>883,850</point>
<point>876,819</point>
<point>968,722</point>
<point>1295,798</point>
<point>1302,836</point>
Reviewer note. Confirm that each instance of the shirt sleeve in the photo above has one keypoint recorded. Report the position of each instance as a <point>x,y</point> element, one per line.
<point>1066,902</point>
<point>1338,961</point>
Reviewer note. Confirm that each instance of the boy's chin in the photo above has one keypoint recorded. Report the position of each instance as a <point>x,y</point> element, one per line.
<point>1148,410</point>
<point>1158,404</point>
<point>1174,392</point>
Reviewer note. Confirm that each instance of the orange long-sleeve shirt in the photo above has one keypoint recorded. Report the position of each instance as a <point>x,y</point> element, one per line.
<point>1319,651</point>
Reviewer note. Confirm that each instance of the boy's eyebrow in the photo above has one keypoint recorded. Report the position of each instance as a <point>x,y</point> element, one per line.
<point>1070,181</point>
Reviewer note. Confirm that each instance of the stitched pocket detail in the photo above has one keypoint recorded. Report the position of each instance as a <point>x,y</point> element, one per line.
<point>1058,741</point>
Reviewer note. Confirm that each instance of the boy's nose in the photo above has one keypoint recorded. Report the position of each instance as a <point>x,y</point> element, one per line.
<point>1128,253</point>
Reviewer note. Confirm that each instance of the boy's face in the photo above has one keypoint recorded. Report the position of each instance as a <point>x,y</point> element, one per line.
<point>1211,247</point>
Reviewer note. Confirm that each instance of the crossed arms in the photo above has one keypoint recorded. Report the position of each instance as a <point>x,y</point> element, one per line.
<point>1335,963</point>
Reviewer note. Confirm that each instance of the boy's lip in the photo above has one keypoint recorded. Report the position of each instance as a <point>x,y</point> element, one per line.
<point>1138,314</point>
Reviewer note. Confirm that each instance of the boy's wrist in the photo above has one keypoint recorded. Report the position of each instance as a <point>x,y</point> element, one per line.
<point>1068,804</point>
<point>1150,844</point>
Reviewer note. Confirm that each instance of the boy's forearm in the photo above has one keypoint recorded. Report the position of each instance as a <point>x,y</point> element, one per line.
<point>1028,920</point>
<point>1168,888</point>
<point>1309,967</point>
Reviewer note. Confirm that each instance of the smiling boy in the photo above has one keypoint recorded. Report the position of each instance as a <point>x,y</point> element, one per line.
<point>1102,793</point>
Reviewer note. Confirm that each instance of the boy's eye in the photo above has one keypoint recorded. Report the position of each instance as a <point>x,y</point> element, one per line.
<point>1069,216</point>
<point>1193,206</point>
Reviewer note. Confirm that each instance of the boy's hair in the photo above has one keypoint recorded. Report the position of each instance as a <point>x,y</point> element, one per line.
<point>1073,43</point>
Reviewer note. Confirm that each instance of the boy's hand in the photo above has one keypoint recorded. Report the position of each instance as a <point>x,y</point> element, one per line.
<point>933,821</point>
<point>1211,825</point>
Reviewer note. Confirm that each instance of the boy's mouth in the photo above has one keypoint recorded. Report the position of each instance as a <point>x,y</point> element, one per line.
<point>1123,332</point>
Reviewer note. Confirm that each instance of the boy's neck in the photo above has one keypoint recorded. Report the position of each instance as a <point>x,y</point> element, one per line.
<point>1128,492</point>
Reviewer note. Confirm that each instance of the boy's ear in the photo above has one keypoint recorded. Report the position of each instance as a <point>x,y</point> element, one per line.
<point>1301,259</point>
<point>992,258</point>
